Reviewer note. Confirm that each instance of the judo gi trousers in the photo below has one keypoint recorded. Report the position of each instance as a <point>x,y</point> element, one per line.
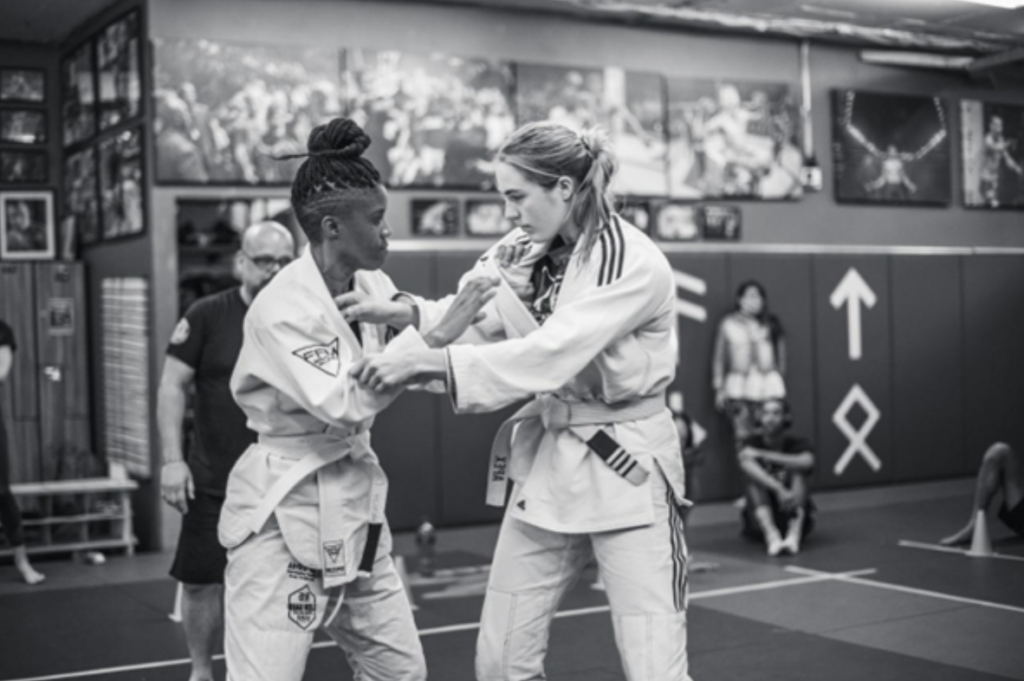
<point>273,605</point>
<point>644,574</point>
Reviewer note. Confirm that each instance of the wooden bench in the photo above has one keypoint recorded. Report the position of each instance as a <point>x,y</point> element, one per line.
<point>122,536</point>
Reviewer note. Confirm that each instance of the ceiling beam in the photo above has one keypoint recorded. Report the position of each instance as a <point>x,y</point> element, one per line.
<point>994,60</point>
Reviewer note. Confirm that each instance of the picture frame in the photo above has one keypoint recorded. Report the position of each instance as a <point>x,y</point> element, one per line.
<point>23,167</point>
<point>23,126</point>
<point>674,221</point>
<point>890,149</point>
<point>992,155</point>
<point>486,218</point>
<point>719,222</point>
<point>435,217</point>
<point>81,198</point>
<point>636,212</point>
<point>118,71</point>
<point>27,229</point>
<point>22,85</point>
<point>122,184</point>
<point>78,95</point>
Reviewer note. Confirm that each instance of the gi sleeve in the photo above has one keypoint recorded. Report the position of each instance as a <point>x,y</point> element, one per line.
<point>310,366</point>
<point>621,295</point>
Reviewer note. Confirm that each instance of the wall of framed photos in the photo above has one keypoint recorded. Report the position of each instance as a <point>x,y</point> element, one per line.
<point>552,54</point>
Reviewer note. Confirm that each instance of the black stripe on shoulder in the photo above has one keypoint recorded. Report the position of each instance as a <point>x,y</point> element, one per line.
<point>622,251</point>
<point>603,241</point>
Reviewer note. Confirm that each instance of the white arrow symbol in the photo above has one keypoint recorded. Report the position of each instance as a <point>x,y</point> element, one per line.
<point>858,438</point>
<point>852,291</point>
<point>696,285</point>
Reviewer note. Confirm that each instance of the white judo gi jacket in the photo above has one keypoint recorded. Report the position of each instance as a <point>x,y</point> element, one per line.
<point>292,382</point>
<point>601,362</point>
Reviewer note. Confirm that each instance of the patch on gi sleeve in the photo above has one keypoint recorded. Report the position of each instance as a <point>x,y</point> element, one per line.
<point>322,357</point>
<point>302,607</point>
<point>334,558</point>
<point>181,332</point>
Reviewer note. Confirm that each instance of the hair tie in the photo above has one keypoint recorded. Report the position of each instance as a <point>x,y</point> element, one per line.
<point>586,145</point>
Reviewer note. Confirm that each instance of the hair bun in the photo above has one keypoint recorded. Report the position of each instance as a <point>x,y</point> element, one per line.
<point>341,137</point>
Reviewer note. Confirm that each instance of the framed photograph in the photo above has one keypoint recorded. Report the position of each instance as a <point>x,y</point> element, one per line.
<point>117,62</point>
<point>23,126</point>
<point>223,110</point>
<point>435,217</point>
<point>720,223</point>
<point>992,138</point>
<point>26,226</point>
<point>733,139</point>
<point>486,217</point>
<point>637,212</point>
<point>121,184</point>
<point>22,85</point>
<point>80,196</point>
<point>675,221</point>
<point>23,167</point>
<point>78,95</point>
<point>890,149</point>
<point>435,119</point>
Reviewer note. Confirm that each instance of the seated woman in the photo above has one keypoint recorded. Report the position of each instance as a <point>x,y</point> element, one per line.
<point>776,465</point>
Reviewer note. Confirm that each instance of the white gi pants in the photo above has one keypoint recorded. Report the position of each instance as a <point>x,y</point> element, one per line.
<point>273,604</point>
<point>644,573</point>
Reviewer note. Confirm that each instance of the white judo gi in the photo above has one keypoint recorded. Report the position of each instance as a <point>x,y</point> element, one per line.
<point>304,518</point>
<point>595,457</point>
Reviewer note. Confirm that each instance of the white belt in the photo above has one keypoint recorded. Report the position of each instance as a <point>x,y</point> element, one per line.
<point>317,452</point>
<point>582,419</point>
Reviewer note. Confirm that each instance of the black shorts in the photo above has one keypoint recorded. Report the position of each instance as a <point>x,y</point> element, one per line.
<point>200,559</point>
<point>1013,517</point>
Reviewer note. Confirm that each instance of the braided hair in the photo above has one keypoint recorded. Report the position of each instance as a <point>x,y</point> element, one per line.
<point>333,168</point>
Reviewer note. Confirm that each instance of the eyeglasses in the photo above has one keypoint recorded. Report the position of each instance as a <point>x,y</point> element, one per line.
<point>265,262</point>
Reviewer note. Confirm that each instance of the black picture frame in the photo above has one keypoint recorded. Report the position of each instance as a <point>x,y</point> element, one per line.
<point>23,126</point>
<point>674,221</point>
<point>81,198</point>
<point>78,94</point>
<point>22,86</point>
<point>119,71</point>
<point>891,149</point>
<point>992,155</point>
<point>27,229</point>
<point>24,167</point>
<point>486,218</point>
<point>122,185</point>
<point>435,217</point>
<point>637,212</point>
<point>720,222</point>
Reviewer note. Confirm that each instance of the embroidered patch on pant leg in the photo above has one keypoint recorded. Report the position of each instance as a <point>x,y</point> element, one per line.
<point>302,607</point>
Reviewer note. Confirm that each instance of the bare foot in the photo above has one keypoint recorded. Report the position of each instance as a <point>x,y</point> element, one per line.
<point>31,575</point>
<point>961,537</point>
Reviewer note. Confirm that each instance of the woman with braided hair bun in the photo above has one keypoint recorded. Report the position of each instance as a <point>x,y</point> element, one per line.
<point>303,520</point>
<point>594,457</point>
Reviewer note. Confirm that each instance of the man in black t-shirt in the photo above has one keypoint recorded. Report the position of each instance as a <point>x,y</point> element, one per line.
<point>202,352</point>
<point>776,464</point>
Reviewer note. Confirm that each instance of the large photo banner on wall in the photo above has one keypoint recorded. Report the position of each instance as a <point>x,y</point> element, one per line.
<point>890,149</point>
<point>733,139</point>
<point>993,154</point>
<point>435,120</point>
<point>224,110</point>
<point>629,105</point>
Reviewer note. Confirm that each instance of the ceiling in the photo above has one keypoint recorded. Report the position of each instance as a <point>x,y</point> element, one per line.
<point>949,25</point>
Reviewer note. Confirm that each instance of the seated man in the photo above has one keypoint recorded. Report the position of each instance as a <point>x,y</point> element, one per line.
<point>1002,468</point>
<point>776,465</point>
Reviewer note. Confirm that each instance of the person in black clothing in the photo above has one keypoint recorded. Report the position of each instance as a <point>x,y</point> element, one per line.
<point>10,514</point>
<point>776,465</point>
<point>202,352</point>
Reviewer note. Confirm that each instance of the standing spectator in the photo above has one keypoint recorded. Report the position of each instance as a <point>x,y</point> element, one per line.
<point>10,514</point>
<point>203,352</point>
<point>749,361</point>
<point>776,464</point>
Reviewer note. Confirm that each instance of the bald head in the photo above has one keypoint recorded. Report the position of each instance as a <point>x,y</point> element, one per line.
<point>266,248</point>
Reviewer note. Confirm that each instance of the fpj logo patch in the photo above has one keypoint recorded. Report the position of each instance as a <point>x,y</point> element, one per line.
<point>334,558</point>
<point>301,572</point>
<point>302,607</point>
<point>323,357</point>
